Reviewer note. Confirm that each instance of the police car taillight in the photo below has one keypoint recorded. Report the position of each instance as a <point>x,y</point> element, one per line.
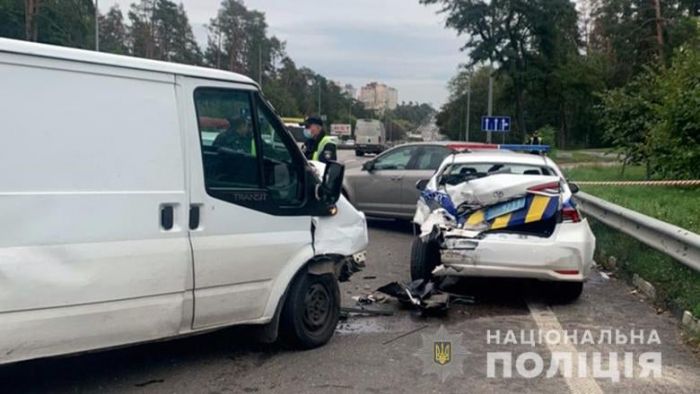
<point>570,214</point>
<point>552,187</point>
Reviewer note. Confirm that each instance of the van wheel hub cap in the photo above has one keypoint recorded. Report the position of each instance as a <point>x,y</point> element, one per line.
<point>317,306</point>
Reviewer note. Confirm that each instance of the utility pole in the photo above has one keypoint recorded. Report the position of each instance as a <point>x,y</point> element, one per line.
<point>260,81</point>
<point>469,108</point>
<point>97,26</point>
<point>318,82</point>
<point>659,30</point>
<point>490,104</point>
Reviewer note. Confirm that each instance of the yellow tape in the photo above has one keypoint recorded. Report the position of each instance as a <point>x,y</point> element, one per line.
<point>537,207</point>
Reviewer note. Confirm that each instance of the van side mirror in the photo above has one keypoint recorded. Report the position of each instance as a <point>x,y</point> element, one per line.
<point>368,166</point>
<point>331,185</point>
<point>574,188</point>
<point>422,184</point>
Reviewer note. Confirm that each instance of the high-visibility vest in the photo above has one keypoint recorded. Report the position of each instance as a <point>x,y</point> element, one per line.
<point>319,148</point>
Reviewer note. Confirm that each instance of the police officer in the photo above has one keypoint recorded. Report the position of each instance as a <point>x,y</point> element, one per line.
<point>535,139</point>
<point>318,145</point>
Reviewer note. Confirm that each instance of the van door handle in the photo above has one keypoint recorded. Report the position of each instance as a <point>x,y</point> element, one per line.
<point>396,178</point>
<point>167,217</point>
<point>194,217</point>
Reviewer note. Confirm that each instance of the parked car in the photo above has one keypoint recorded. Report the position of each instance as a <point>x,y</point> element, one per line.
<point>385,185</point>
<point>502,214</point>
<point>140,206</point>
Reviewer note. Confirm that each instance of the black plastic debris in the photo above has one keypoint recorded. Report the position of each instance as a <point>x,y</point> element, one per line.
<point>348,268</point>
<point>421,294</point>
<point>365,310</point>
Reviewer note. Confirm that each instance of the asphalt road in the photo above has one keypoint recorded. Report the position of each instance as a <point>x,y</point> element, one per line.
<point>378,353</point>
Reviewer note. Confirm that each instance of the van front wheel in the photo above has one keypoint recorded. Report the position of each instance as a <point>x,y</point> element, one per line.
<point>311,311</point>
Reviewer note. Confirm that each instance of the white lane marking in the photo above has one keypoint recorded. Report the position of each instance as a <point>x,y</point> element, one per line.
<point>547,321</point>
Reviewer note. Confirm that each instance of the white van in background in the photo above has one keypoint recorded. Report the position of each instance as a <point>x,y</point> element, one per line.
<point>144,200</point>
<point>370,137</point>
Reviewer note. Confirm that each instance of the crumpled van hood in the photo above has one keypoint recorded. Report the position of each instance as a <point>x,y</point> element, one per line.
<point>344,233</point>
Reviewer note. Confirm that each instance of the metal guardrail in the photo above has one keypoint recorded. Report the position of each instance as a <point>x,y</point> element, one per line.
<point>681,244</point>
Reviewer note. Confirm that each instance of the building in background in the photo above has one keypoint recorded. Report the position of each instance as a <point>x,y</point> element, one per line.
<point>349,90</point>
<point>346,89</point>
<point>379,97</point>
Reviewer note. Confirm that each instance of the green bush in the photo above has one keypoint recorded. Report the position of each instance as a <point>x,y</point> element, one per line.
<point>655,119</point>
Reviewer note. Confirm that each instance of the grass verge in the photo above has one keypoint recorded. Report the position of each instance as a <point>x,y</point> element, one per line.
<point>583,156</point>
<point>675,283</point>
<point>673,204</point>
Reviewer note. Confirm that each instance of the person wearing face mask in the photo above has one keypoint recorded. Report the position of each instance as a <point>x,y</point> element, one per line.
<point>318,145</point>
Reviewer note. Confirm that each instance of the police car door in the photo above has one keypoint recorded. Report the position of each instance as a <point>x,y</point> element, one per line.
<point>239,184</point>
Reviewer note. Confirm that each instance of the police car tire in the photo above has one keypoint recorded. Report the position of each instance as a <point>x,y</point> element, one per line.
<point>425,256</point>
<point>359,153</point>
<point>294,327</point>
<point>564,292</point>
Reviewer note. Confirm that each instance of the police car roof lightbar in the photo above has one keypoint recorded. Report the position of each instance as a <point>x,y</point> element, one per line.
<point>469,146</point>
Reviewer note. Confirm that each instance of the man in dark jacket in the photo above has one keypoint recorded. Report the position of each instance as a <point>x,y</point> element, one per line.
<point>318,145</point>
<point>238,136</point>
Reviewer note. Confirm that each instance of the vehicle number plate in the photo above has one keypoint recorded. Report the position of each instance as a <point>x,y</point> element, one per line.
<point>508,207</point>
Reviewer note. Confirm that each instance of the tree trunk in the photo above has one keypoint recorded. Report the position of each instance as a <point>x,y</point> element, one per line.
<point>519,111</point>
<point>31,9</point>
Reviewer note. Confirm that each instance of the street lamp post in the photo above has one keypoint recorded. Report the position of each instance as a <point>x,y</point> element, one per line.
<point>318,82</point>
<point>469,107</point>
<point>490,104</point>
<point>97,26</point>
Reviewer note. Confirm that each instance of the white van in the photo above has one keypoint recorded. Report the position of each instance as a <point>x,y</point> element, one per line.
<point>370,137</point>
<point>144,200</point>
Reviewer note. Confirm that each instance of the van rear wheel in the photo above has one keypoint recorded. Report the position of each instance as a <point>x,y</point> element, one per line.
<point>311,311</point>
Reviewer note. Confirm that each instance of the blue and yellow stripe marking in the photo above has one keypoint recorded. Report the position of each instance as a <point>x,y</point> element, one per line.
<point>536,208</point>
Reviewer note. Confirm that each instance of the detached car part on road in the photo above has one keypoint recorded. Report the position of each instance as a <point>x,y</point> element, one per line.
<point>152,200</point>
<point>502,214</point>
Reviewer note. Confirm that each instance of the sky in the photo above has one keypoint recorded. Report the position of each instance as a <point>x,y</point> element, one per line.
<point>399,42</point>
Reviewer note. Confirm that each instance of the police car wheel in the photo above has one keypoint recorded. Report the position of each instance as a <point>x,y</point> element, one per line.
<point>425,256</point>
<point>359,153</point>
<point>311,311</point>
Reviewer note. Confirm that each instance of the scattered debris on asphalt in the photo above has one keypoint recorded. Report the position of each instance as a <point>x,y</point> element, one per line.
<point>367,299</point>
<point>420,293</point>
<point>345,312</point>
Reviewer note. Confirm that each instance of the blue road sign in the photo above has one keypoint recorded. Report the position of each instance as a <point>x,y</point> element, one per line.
<point>496,124</point>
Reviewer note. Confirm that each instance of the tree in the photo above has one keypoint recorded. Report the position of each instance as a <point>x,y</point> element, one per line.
<point>226,43</point>
<point>654,118</point>
<point>12,17</point>
<point>525,40</point>
<point>113,32</point>
<point>161,30</point>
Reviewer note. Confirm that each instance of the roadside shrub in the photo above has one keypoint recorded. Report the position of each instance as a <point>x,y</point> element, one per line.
<point>655,119</point>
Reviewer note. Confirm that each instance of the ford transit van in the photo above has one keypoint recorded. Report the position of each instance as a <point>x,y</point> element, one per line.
<point>143,200</point>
